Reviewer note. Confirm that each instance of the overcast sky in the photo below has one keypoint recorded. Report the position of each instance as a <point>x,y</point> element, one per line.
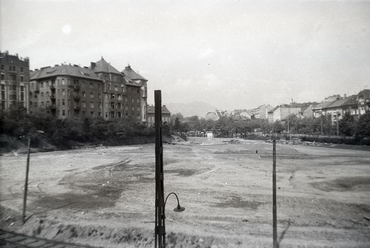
<point>231,54</point>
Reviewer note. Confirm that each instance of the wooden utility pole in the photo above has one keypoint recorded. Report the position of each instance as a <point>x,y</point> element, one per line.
<point>274,224</point>
<point>160,230</point>
<point>26,181</point>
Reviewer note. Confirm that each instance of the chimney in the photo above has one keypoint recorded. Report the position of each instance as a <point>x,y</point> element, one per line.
<point>93,65</point>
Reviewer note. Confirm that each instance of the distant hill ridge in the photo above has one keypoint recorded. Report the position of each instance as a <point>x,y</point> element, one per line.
<point>190,109</point>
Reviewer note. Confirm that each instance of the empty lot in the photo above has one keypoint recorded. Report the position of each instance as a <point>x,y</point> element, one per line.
<point>104,196</point>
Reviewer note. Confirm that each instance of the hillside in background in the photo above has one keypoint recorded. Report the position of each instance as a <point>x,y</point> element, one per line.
<point>190,109</point>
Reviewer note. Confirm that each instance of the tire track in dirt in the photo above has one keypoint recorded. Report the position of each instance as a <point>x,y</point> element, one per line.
<point>17,240</point>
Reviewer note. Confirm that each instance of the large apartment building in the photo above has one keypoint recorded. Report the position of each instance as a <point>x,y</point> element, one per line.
<point>99,90</point>
<point>15,76</point>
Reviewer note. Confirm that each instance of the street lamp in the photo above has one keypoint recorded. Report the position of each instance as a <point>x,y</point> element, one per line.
<point>160,203</point>
<point>176,209</point>
<point>27,171</point>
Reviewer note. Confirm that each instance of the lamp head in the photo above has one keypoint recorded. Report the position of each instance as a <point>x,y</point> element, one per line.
<point>179,208</point>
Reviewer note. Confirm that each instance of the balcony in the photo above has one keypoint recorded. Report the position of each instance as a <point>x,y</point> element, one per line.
<point>53,106</point>
<point>77,98</point>
<point>52,97</point>
<point>78,107</point>
<point>77,88</point>
<point>52,87</point>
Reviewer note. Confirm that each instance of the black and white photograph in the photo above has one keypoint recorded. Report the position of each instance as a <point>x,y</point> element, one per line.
<point>201,124</point>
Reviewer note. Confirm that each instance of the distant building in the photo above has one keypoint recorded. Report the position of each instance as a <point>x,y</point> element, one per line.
<point>341,105</point>
<point>319,109</point>
<point>261,112</point>
<point>307,111</point>
<point>363,99</point>
<point>15,77</point>
<point>166,115</point>
<point>281,112</point>
<point>96,91</point>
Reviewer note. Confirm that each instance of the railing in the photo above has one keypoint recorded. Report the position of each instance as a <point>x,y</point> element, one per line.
<point>77,98</point>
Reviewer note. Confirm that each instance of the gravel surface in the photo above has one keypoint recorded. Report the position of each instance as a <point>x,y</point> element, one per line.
<point>104,196</point>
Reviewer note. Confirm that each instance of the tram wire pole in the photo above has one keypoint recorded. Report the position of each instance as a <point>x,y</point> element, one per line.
<point>160,230</point>
<point>274,222</point>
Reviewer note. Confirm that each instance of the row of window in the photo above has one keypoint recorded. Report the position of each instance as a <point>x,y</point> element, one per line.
<point>3,104</point>
<point>109,87</point>
<point>94,114</point>
<point>12,87</point>
<point>83,94</point>
<point>12,94</point>
<point>64,82</point>
<point>121,106</point>
<point>83,85</point>
<point>76,113</point>
<point>113,114</point>
<point>12,77</point>
<point>12,68</point>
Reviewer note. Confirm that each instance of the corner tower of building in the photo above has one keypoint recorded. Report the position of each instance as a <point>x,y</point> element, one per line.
<point>15,77</point>
<point>137,92</point>
<point>114,89</point>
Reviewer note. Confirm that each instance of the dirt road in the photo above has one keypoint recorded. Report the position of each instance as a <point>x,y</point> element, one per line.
<point>105,196</point>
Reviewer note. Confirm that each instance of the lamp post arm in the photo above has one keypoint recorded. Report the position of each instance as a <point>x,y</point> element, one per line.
<point>172,193</point>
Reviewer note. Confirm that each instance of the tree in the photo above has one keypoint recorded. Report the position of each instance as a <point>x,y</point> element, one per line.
<point>177,116</point>
<point>194,123</point>
<point>363,125</point>
<point>15,121</point>
<point>278,127</point>
<point>347,125</point>
<point>42,120</point>
<point>177,125</point>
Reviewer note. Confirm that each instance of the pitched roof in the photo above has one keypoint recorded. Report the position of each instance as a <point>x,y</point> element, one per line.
<point>151,109</point>
<point>104,66</point>
<point>130,82</point>
<point>351,100</point>
<point>364,94</point>
<point>131,74</point>
<point>322,105</point>
<point>60,70</point>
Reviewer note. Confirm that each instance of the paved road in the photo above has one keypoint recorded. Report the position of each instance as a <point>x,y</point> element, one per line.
<point>16,240</point>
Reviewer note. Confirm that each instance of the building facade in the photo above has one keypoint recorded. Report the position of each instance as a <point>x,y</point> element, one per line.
<point>355,105</point>
<point>15,76</point>
<point>66,91</point>
<point>281,112</point>
<point>363,99</point>
<point>137,93</point>
<point>166,115</point>
<point>96,91</point>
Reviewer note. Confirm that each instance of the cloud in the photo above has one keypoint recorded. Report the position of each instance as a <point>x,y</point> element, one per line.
<point>205,53</point>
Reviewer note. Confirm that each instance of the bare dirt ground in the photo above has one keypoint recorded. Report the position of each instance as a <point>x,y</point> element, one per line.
<point>105,196</point>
